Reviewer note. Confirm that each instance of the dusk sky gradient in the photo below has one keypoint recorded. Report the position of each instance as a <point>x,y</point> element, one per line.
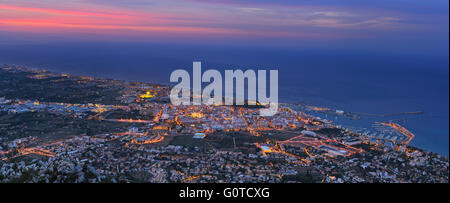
<point>395,23</point>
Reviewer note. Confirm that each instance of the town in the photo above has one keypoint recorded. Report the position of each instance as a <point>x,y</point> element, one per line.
<point>64,128</point>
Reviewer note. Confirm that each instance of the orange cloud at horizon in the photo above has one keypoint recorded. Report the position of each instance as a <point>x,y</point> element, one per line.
<point>55,24</point>
<point>29,24</point>
<point>62,12</point>
<point>120,21</point>
<point>82,20</point>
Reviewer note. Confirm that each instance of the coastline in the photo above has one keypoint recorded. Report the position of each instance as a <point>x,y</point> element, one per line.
<point>320,114</point>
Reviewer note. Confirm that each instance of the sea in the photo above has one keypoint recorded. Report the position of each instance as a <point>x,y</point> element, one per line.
<point>352,81</point>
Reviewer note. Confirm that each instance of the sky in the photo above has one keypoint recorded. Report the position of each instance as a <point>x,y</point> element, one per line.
<point>398,25</point>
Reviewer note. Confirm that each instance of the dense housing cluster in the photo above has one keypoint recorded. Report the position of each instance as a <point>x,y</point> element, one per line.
<point>63,128</point>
